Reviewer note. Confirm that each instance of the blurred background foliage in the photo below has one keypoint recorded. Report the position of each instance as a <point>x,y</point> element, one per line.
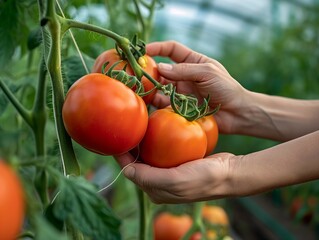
<point>269,46</point>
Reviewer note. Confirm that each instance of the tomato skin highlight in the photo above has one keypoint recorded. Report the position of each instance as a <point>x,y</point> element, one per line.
<point>209,125</point>
<point>12,203</point>
<point>171,140</point>
<point>171,227</point>
<point>103,115</point>
<point>149,66</point>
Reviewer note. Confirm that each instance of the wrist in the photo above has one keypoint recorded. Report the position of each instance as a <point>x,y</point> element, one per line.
<point>257,117</point>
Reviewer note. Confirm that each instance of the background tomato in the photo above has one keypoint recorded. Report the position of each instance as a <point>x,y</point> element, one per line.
<point>11,203</point>
<point>171,227</point>
<point>210,235</point>
<point>103,115</point>
<point>215,215</point>
<point>171,140</point>
<point>150,67</point>
<point>209,125</point>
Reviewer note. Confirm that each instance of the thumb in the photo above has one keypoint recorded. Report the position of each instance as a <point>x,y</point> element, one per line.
<point>147,176</point>
<point>196,72</point>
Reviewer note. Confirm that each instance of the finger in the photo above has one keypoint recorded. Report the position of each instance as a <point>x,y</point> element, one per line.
<point>124,159</point>
<point>175,51</point>
<point>147,176</point>
<point>160,101</point>
<point>188,71</point>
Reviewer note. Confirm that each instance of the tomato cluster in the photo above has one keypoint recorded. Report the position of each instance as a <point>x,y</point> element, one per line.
<point>169,226</point>
<point>12,204</point>
<point>107,117</point>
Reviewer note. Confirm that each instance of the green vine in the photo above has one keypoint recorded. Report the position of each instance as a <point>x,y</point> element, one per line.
<point>52,22</point>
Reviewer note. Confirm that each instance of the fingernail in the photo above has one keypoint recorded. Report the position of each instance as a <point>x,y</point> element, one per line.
<point>129,172</point>
<point>165,66</point>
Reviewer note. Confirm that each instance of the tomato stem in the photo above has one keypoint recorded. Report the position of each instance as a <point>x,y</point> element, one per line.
<point>69,162</point>
<point>122,42</point>
<point>24,113</point>
<point>197,222</point>
<point>38,113</point>
<point>144,215</point>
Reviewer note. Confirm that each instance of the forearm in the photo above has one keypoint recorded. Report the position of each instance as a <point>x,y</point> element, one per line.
<point>289,163</point>
<point>277,118</point>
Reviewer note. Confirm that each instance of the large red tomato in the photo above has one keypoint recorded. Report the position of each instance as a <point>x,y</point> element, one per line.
<point>209,125</point>
<point>12,204</point>
<point>148,65</point>
<point>171,227</point>
<point>171,140</point>
<point>103,115</point>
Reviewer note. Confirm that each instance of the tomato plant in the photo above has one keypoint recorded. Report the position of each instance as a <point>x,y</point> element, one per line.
<point>11,203</point>
<point>171,140</point>
<point>168,226</point>
<point>146,62</point>
<point>103,115</point>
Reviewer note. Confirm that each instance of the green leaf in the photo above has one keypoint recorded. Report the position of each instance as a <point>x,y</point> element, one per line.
<point>45,231</point>
<point>3,98</point>
<point>35,38</point>
<point>8,28</point>
<point>73,68</point>
<point>79,204</point>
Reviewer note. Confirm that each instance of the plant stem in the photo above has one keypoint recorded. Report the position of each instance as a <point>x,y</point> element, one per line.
<point>122,42</point>
<point>24,113</point>
<point>145,217</point>
<point>38,113</point>
<point>69,162</point>
<point>197,222</point>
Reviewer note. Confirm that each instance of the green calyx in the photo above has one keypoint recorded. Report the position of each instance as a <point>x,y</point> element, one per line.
<point>187,105</point>
<point>128,80</point>
<point>137,48</point>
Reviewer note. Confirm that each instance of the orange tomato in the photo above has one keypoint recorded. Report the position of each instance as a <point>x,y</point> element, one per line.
<point>209,125</point>
<point>171,227</point>
<point>171,140</point>
<point>146,62</point>
<point>12,205</point>
<point>103,115</point>
<point>215,215</point>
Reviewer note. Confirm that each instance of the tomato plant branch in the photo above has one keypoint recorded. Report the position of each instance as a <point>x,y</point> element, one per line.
<point>144,206</point>
<point>38,113</point>
<point>197,222</point>
<point>141,19</point>
<point>69,161</point>
<point>122,42</point>
<point>24,113</point>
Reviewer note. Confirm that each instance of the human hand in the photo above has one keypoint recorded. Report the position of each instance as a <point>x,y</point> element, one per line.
<point>198,180</point>
<point>200,75</point>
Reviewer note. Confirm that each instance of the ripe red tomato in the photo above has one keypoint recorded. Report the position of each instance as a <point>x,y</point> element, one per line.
<point>12,204</point>
<point>171,227</point>
<point>209,124</point>
<point>171,140</point>
<point>149,66</point>
<point>103,115</point>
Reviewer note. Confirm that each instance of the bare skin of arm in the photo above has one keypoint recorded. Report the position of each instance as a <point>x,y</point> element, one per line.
<point>294,122</point>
